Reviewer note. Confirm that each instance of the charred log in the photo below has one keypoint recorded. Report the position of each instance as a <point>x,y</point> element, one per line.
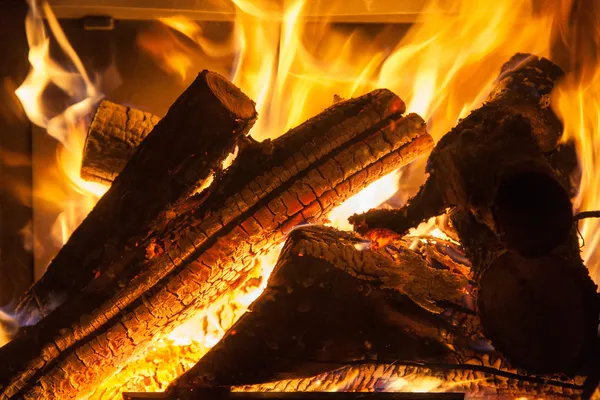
<point>494,152</point>
<point>177,157</point>
<point>206,244</point>
<point>508,180</point>
<point>114,134</point>
<point>331,302</point>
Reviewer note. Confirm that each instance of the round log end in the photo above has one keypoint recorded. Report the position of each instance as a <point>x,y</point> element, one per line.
<point>230,96</point>
<point>538,312</point>
<point>532,212</point>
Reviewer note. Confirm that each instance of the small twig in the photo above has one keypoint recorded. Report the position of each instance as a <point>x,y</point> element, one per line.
<point>587,214</point>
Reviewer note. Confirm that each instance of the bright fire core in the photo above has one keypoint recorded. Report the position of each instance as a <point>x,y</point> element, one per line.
<point>293,67</point>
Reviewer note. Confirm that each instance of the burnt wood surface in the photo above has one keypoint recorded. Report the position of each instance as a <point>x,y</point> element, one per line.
<point>493,163</point>
<point>508,181</point>
<point>229,395</point>
<point>113,136</point>
<point>205,245</point>
<point>178,156</point>
<point>332,302</point>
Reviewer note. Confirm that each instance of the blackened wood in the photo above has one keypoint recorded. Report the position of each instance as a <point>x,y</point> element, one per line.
<point>540,312</point>
<point>510,185</point>
<point>113,136</point>
<point>177,157</point>
<point>493,163</point>
<point>331,301</point>
<point>207,244</point>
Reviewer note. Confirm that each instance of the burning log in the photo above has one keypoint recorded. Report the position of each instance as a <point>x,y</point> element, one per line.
<point>177,158</point>
<point>502,171</point>
<point>493,163</point>
<point>332,302</point>
<point>114,134</point>
<point>540,312</point>
<point>206,244</point>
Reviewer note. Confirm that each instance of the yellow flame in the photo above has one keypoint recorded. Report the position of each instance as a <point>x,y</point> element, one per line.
<point>577,102</point>
<point>441,67</point>
<point>368,198</point>
<point>64,190</point>
<point>579,105</point>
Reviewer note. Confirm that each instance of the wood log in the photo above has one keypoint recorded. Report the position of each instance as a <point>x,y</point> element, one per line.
<point>493,163</point>
<point>502,171</point>
<point>177,158</point>
<point>209,242</point>
<point>113,136</point>
<point>332,302</point>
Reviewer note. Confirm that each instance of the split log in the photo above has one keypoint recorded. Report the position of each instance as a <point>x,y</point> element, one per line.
<point>177,157</point>
<point>503,172</point>
<point>113,136</point>
<point>208,243</point>
<point>332,302</point>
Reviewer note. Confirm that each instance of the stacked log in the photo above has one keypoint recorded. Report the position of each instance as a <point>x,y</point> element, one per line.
<point>202,244</point>
<point>504,174</point>
<point>335,308</point>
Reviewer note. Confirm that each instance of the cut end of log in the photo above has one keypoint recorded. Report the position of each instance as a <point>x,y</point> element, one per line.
<point>230,95</point>
<point>113,136</point>
<point>532,212</point>
<point>538,313</point>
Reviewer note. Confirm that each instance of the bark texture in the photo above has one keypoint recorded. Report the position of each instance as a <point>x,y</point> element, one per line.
<point>353,318</point>
<point>202,127</point>
<point>503,172</point>
<point>493,163</point>
<point>113,136</point>
<point>205,245</point>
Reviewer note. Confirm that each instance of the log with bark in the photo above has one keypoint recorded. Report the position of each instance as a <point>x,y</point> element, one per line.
<point>332,302</point>
<point>502,171</point>
<point>204,246</point>
<point>113,136</point>
<point>493,163</point>
<point>177,157</point>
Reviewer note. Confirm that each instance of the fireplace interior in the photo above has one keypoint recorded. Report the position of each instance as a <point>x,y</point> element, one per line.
<point>296,199</point>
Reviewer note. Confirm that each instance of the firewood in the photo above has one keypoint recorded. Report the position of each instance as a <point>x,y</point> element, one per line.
<point>332,302</point>
<point>176,158</point>
<point>204,247</point>
<point>113,136</point>
<point>502,171</point>
<point>487,378</point>
<point>493,163</point>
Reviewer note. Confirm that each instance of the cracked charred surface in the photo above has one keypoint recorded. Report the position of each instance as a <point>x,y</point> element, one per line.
<point>483,378</point>
<point>204,246</point>
<point>114,134</point>
<point>332,302</point>
<point>182,151</point>
<point>507,136</point>
<point>502,170</point>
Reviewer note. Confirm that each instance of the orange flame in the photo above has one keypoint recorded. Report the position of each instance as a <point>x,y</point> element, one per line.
<point>441,67</point>
<point>76,197</point>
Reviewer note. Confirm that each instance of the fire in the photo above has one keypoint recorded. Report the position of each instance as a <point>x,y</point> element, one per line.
<point>293,69</point>
<point>64,189</point>
<point>577,102</point>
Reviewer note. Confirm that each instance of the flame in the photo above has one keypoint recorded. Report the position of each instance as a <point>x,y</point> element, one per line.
<point>63,188</point>
<point>442,67</point>
<point>577,102</point>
